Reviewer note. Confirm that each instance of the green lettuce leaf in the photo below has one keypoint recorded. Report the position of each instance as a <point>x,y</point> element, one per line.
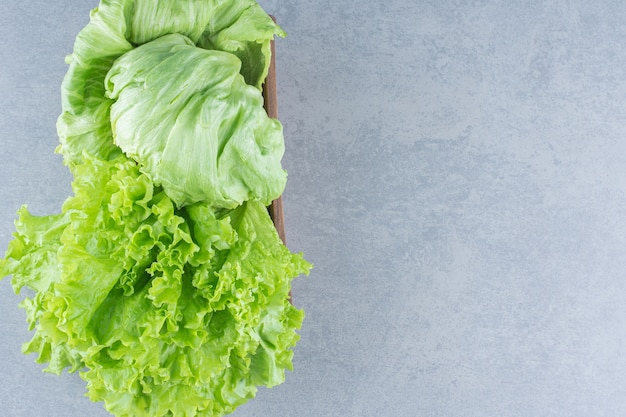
<point>188,117</point>
<point>155,303</point>
<point>117,26</point>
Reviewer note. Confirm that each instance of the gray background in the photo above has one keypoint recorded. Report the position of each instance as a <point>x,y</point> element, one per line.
<point>456,176</point>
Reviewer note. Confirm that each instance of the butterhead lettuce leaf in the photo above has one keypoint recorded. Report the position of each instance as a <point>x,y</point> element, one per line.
<point>240,27</point>
<point>188,117</point>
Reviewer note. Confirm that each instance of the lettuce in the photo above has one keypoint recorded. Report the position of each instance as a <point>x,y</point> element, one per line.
<point>157,303</point>
<point>240,27</point>
<point>163,280</point>
<point>208,141</point>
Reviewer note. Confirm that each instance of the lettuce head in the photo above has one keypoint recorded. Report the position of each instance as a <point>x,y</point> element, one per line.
<point>198,63</point>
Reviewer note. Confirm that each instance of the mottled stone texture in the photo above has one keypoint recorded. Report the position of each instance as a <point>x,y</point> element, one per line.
<point>457,174</point>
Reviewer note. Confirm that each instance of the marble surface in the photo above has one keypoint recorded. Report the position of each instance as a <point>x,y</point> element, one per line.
<point>457,176</point>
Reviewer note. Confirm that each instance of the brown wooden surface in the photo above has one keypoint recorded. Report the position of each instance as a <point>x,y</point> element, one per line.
<point>271,107</point>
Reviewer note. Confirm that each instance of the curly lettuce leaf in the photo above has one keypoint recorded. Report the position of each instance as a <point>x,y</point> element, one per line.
<point>155,303</point>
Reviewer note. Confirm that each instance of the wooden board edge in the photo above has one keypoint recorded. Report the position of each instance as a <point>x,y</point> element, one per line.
<point>270,102</point>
